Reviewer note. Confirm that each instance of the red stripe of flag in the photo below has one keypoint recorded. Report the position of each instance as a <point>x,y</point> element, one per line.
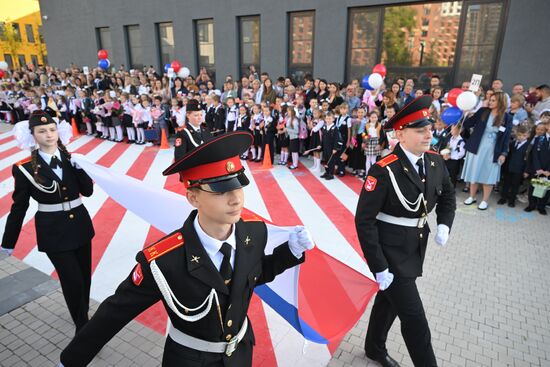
<point>9,152</point>
<point>6,140</point>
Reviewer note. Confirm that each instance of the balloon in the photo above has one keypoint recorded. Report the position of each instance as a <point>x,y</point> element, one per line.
<point>453,95</point>
<point>451,115</point>
<point>184,72</point>
<point>3,65</point>
<point>466,101</point>
<point>365,82</point>
<point>176,66</point>
<point>104,64</point>
<point>1,74</point>
<point>102,54</point>
<point>166,67</point>
<point>380,69</point>
<point>375,80</point>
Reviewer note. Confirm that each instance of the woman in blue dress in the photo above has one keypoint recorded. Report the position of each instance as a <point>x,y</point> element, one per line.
<point>487,147</point>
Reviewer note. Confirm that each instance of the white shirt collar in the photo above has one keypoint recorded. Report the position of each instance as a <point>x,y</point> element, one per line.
<point>412,157</point>
<point>210,244</point>
<point>196,129</point>
<point>48,157</point>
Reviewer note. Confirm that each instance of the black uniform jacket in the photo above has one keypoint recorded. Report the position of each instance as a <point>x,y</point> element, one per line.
<point>401,248</point>
<point>183,144</point>
<point>191,275</point>
<point>55,231</point>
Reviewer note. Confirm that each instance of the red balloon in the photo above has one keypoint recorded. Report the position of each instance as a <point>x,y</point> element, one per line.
<point>1,74</point>
<point>102,54</point>
<point>176,65</point>
<point>453,95</point>
<point>379,69</point>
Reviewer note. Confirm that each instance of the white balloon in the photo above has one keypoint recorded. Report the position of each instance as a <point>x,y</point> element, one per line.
<point>466,100</point>
<point>376,80</point>
<point>183,72</point>
<point>3,65</point>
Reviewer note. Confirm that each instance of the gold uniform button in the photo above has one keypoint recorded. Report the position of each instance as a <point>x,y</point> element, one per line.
<point>71,216</point>
<point>228,337</point>
<point>66,198</point>
<point>229,323</point>
<point>64,188</point>
<point>421,235</point>
<point>255,278</point>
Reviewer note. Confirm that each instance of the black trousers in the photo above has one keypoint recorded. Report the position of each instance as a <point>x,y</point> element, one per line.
<point>333,161</point>
<point>453,166</point>
<point>510,187</point>
<point>402,300</point>
<point>74,269</point>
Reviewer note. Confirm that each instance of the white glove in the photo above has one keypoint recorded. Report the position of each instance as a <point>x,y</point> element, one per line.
<point>75,165</point>
<point>442,234</point>
<point>299,241</point>
<point>384,279</point>
<point>6,251</point>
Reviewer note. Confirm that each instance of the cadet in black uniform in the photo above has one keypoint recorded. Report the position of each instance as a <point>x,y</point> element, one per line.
<point>64,229</point>
<point>204,272</point>
<point>193,133</point>
<point>399,193</point>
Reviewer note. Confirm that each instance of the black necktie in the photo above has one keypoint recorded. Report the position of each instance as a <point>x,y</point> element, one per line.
<point>225,270</point>
<point>54,163</point>
<point>420,164</point>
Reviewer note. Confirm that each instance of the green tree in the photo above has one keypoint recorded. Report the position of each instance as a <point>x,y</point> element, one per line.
<point>12,42</point>
<point>399,22</point>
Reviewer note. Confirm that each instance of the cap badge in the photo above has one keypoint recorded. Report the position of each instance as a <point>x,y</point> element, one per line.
<point>43,119</point>
<point>230,166</point>
<point>425,113</point>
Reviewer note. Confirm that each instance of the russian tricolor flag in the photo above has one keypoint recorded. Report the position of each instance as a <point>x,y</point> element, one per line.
<point>322,299</point>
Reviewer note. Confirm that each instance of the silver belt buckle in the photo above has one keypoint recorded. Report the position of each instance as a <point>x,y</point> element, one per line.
<point>66,205</point>
<point>231,346</point>
<point>422,221</point>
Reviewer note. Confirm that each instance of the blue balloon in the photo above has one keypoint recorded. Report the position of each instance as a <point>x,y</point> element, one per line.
<point>104,64</point>
<point>365,82</point>
<point>166,67</point>
<point>451,115</point>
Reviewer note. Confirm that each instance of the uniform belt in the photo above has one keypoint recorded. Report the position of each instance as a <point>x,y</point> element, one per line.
<point>206,346</point>
<point>402,221</point>
<point>61,207</point>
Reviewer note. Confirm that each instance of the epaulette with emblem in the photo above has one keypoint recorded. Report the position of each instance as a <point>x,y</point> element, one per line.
<point>433,152</point>
<point>387,160</point>
<point>163,246</point>
<point>23,161</point>
<point>250,217</point>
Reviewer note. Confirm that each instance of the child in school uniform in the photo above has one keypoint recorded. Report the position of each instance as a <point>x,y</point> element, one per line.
<point>332,145</point>
<point>127,123</point>
<point>516,167</point>
<point>177,114</point>
<point>371,140</point>
<point>293,130</point>
<point>257,127</point>
<point>315,140</point>
<point>231,113</point>
<point>86,106</point>
<point>453,153</point>
<point>357,157</point>
<point>343,123</point>
<point>243,124</point>
<point>282,139</point>
<point>146,117</point>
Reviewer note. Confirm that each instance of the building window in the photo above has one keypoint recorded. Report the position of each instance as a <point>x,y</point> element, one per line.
<point>21,60</point>
<point>8,59</point>
<point>300,45</point>
<point>133,46</point>
<point>362,41</point>
<point>29,32</point>
<point>204,33</point>
<point>17,31</point>
<point>103,37</point>
<point>165,33</point>
<point>34,60</point>
<point>480,42</point>
<point>249,31</point>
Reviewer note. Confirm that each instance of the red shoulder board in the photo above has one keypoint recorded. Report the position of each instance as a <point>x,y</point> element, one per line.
<point>432,152</point>
<point>387,160</point>
<point>163,246</point>
<point>250,217</point>
<point>23,161</point>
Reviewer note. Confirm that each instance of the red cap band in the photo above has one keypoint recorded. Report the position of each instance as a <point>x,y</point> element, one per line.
<point>412,117</point>
<point>212,170</point>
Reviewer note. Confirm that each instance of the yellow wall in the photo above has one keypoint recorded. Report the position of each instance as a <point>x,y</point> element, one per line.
<point>23,12</point>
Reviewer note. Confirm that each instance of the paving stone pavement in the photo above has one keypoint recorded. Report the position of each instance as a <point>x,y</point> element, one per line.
<point>486,297</point>
<point>486,293</point>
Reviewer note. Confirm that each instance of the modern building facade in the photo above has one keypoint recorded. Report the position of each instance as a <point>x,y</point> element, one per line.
<point>336,40</point>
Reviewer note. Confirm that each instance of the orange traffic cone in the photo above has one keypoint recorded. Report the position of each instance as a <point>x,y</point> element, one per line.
<point>267,158</point>
<point>163,140</point>
<point>75,128</point>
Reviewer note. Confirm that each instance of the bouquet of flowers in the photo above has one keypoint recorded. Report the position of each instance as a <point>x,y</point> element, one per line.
<point>117,110</point>
<point>540,186</point>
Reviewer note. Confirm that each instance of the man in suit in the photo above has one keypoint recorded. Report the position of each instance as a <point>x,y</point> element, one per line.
<point>193,133</point>
<point>391,220</point>
<point>204,273</point>
<point>540,160</point>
